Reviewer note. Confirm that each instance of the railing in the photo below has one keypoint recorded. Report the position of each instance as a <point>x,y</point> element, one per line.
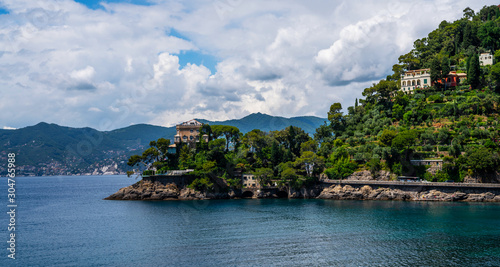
<point>166,173</point>
<point>445,184</point>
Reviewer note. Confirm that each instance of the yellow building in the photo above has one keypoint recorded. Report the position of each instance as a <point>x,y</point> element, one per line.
<point>188,132</point>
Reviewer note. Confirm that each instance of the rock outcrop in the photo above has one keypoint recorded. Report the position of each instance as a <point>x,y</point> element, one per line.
<point>147,190</point>
<point>367,176</point>
<point>366,192</point>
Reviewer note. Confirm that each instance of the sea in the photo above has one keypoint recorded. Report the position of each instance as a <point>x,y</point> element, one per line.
<point>64,221</point>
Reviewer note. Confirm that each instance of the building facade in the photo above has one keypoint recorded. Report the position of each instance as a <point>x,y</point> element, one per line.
<point>486,59</point>
<point>434,164</point>
<point>249,181</point>
<point>189,133</point>
<point>415,79</point>
<point>421,79</point>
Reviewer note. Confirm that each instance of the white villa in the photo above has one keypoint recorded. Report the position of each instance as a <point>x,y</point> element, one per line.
<point>486,59</point>
<point>414,79</point>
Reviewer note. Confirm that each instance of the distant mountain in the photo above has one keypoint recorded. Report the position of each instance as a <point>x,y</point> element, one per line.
<point>50,149</point>
<point>268,123</point>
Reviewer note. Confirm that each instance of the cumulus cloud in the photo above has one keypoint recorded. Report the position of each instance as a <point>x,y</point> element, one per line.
<point>117,65</point>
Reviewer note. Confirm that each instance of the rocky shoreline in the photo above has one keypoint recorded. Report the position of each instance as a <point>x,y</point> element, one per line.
<point>148,190</point>
<point>366,192</point>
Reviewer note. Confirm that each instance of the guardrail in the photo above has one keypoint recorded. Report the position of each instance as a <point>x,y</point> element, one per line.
<point>471,185</point>
<point>168,173</point>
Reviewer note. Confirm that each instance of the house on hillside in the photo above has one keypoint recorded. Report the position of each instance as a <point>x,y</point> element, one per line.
<point>189,133</point>
<point>250,181</point>
<point>415,79</point>
<point>421,79</point>
<point>454,79</point>
<point>486,59</point>
<point>434,164</point>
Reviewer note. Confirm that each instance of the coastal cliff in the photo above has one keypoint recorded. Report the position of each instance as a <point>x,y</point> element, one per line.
<point>156,190</point>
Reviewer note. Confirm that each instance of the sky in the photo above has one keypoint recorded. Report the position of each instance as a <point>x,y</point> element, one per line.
<point>111,64</point>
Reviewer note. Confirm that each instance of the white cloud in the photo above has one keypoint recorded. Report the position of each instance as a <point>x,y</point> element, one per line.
<point>107,68</point>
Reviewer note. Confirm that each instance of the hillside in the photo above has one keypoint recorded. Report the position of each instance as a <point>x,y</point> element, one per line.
<point>455,127</point>
<point>50,149</point>
<point>443,131</point>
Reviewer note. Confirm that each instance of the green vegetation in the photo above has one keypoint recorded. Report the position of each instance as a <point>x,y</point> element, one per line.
<point>384,131</point>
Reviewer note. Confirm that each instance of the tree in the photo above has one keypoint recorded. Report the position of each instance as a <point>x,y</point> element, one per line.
<point>156,156</point>
<point>482,161</point>
<point>436,69</point>
<point>468,37</point>
<point>474,71</point>
<point>341,168</point>
<point>185,158</point>
<point>387,136</point>
<point>445,68</point>
<point>495,77</point>
<point>468,13</point>
<point>264,176</point>
<point>409,61</point>
<point>336,118</point>
<point>404,140</point>
<point>311,163</point>
<point>489,34</point>
<point>323,133</point>
<point>310,145</point>
<point>231,133</point>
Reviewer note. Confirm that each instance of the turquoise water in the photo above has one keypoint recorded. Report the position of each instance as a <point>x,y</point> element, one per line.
<point>63,221</point>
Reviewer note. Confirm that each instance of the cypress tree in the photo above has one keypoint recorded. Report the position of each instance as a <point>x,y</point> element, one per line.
<point>474,71</point>
<point>445,69</point>
<point>467,40</point>
<point>435,69</point>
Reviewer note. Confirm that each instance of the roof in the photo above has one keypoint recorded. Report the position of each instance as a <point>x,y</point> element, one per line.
<point>191,123</point>
<point>417,71</point>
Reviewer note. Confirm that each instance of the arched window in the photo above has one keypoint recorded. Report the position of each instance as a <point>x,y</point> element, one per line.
<point>418,82</point>
<point>404,83</point>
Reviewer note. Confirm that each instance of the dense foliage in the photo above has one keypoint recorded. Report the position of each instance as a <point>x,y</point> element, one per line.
<point>384,131</point>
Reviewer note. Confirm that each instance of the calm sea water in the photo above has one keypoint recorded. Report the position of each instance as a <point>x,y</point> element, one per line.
<point>63,221</point>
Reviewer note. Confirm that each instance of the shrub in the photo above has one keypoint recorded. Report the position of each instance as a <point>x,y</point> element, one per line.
<point>342,168</point>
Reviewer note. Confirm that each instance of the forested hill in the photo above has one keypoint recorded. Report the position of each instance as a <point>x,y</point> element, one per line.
<point>50,149</point>
<point>459,125</point>
<point>387,132</point>
<point>267,123</point>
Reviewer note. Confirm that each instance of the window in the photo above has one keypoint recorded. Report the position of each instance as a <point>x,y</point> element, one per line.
<point>425,81</point>
<point>191,130</point>
<point>191,137</point>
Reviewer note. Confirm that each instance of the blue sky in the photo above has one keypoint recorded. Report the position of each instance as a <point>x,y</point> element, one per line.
<point>162,62</point>
<point>95,4</point>
<point>185,56</point>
